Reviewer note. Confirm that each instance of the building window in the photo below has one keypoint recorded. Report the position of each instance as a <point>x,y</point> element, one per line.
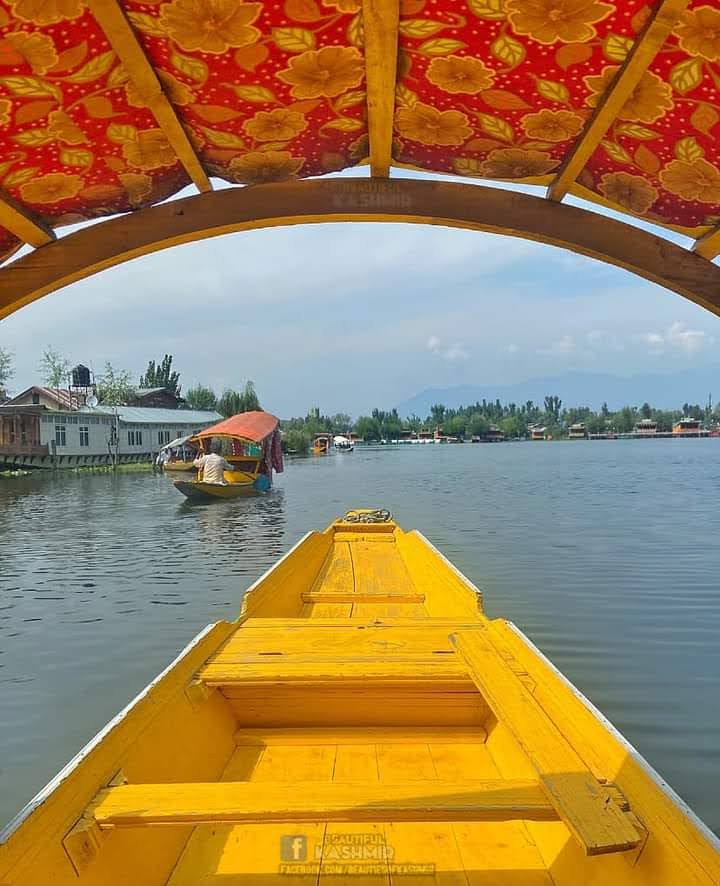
<point>60,438</point>
<point>84,436</point>
<point>135,438</point>
<point>163,437</point>
<point>36,399</point>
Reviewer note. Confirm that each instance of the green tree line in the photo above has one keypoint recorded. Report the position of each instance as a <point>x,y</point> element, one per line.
<point>515,420</point>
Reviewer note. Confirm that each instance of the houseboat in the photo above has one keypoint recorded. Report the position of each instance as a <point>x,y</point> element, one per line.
<point>538,433</point>
<point>689,427</point>
<point>56,431</point>
<point>646,427</point>
<point>578,431</point>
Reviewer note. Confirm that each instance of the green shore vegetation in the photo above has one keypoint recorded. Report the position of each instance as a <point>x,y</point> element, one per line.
<point>514,421</point>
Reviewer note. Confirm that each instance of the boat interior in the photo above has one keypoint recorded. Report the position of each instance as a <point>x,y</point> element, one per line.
<point>363,721</point>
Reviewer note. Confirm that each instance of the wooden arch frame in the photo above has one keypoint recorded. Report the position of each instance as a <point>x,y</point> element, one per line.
<point>471,207</point>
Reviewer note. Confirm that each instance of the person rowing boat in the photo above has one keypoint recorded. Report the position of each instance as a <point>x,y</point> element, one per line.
<point>213,465</point>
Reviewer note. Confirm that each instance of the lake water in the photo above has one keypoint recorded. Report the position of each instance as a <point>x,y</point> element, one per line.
<point>606,554</point>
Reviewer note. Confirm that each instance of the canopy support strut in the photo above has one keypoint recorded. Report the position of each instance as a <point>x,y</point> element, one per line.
<point>380,23</point>
<point>644,50</point>
<point>121,36</point>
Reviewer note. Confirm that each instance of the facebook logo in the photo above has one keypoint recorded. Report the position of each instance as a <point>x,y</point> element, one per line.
<point>293,847</point>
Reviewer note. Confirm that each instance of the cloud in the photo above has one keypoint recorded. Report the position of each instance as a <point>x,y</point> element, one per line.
<point>452,352</point>
<point>678,336</point>
<point>559,348</point>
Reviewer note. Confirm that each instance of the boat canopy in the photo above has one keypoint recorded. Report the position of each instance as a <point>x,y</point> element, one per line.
<point>177,442</point>
<point>113,107</point>
<point>253,427</point>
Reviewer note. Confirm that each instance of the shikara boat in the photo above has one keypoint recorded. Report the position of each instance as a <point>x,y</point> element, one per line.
<point>182,455</point>
<point>363,721</point>
<point>250,443</point>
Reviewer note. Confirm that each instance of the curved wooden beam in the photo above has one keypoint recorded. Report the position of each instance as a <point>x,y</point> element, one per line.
<point>471,207</point>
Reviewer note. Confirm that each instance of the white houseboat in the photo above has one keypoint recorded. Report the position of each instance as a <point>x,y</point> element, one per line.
<point>50,434</point>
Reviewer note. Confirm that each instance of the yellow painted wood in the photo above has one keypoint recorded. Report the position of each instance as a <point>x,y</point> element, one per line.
<point>397,669</point>
<point>646,46</point>
<point>135,805</point>
<point>336,574</point>
<point>708,246</point>
<point>359,736</point>
<point>592,817</point>
<point>386,703</point>
<point>316,749</point>
<point>380,27</point>
<point>676,846</point>
<point>380,572</point>
<point>362,597</point>
<point>450,204</point>
<point>20,222</point>
<point>121,37</point>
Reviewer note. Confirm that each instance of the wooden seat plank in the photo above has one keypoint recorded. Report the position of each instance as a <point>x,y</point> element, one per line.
<point>380,571</point>
<point>141,805</point>
<point>590,814</point>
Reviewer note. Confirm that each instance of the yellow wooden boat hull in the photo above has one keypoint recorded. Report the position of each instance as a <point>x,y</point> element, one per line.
<point>362,721</point>
<point>179,466</point>
<point>237,484</point>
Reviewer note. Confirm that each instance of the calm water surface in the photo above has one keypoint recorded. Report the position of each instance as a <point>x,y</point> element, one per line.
<point>606,554</point>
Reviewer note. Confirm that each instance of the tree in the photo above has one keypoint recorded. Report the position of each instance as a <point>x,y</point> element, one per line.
<point>54,367</point>
<point>367,428</point>
<point>6,368</point>
<point>233,402</point>
<point>161,376</point>
<point>340,422</point>
<point>646,410</point>
<point>479,425</point>
<point>437,413</point>
<point>229,403</point>
<point>249,399</point>
<point>552,407</point>
<point>114,386</point>
<point>201,397</point>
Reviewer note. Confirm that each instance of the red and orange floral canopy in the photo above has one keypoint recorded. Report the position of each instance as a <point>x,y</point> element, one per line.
<point>274,90</point>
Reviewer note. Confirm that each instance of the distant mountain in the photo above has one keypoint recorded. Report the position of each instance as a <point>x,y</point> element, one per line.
<point>581,389</point>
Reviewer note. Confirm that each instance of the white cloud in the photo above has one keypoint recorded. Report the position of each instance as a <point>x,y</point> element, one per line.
<point>677,336</point>
<point>452,353</point>
<point>563,346</point>
<point>690,340</point>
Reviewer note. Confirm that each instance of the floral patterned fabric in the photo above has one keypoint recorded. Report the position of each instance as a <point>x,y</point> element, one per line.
<point>274,90</point>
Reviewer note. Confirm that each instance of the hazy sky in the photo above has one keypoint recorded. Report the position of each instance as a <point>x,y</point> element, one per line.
<point>351,316</point>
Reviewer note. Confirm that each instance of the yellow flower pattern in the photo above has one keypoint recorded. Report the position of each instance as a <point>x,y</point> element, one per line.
<point>499,89</point>
<point>327,72</point>
<point>210,25</point>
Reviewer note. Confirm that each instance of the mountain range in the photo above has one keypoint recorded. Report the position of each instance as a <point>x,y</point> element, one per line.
<point>580,389</point>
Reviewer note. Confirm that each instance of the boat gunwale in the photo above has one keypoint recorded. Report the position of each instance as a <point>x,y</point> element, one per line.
<point>57,780</point>
<point>681,805</point>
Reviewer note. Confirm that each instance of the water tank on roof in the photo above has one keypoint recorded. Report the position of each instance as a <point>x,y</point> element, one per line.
<point>81,377</point>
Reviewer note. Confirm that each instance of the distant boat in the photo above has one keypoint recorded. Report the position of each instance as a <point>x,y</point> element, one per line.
<point>343,444</point>
<point>180,455</point>
<point>250,443</point>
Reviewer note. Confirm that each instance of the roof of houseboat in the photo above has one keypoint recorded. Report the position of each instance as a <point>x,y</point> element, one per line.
<point>112,107</point>
<point>148,415</point>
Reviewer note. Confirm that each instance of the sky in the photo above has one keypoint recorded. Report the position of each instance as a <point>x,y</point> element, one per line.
<point>347,317</point>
